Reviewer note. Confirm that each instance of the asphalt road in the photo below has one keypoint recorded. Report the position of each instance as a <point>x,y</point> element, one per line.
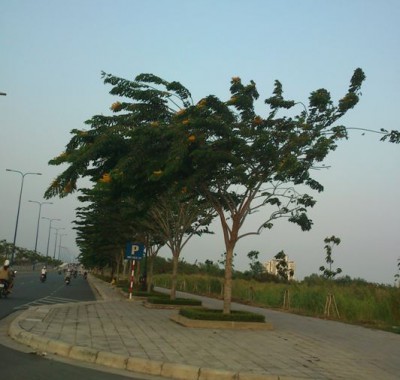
<point>21,362</point>
<point>29,291</point>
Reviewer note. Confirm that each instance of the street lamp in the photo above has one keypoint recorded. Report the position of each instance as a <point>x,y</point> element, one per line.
<point>67,255</point>
<point>59,246</point>
<point>38,221</point>
<point>61,256</point>
<point>55,243</point>
<point>19,206</point>
<point>48,239</point>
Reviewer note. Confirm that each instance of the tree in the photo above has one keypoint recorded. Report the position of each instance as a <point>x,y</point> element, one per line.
<point>330,242</point>
<point>176,219</point>
<point>120,153</point>
<point>256,268</point>
<point>103,226</point>
<point>210,267</point>
<point>241,162</point>
<point>282,266</point>
<point>152,249</point>
<point>222,151</point>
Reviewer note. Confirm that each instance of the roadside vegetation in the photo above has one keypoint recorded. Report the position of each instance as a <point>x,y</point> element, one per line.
<point>163,165</point>
<point>24,257</point>
<point>356,301</point>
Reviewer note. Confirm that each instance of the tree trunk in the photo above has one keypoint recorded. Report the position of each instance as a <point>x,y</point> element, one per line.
<point>230,239</point>
<point>150,269</point>
<point>118,262</point>
<point>228,280</point>
<point>174,276</point>
<point>125,270</point>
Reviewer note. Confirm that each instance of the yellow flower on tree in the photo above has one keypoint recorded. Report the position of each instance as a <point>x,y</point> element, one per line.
<point>202,103</point>
<point>192,138</point>
<point>258,120</point>
<point>68,187</point>
<point>185,122</point>
<point>157,172</point>
<point>116,106</point>
<point>235,79</point>
<point>154,123</point>
<point>106,178</point>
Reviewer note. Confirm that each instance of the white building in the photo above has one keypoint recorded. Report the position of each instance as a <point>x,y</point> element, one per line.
<point>272,267</point>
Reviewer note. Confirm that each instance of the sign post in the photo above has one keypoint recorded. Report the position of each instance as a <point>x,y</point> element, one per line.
<point>132,278</point>
<point>133,251</point>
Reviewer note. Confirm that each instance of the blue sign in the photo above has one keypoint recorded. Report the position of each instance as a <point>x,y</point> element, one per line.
<point>134,251</point>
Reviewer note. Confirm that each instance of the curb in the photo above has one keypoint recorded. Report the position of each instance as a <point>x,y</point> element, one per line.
<point>197,323</point>
<point>131,364</point>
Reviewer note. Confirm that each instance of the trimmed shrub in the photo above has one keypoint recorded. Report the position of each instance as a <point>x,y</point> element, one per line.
<point>165,300</point>
<point>218,315</point>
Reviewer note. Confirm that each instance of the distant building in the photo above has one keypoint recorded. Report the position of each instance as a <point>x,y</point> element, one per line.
<point>272,267</point>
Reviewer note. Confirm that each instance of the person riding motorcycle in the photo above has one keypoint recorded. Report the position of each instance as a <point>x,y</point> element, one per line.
<point>67,277</point>
<point>43,273</point>
<point>7,275</point>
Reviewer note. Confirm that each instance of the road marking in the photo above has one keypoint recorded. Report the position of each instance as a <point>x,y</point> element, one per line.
<point>46,301</point>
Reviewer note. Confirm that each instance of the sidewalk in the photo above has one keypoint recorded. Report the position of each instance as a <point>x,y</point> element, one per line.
<point>122,333</point>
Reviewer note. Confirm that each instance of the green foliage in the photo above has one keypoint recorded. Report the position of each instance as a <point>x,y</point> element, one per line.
<point>358,301</point>
<point>329,243</point>
<point>159,143</point>
<point>217,315</point>
<point>24,256</point>
<point>165,300</point>
<point>397,275</point>
<point>209,268</point>
<point>199,284</point>
<point>282,266</point>
<point>256,268</point>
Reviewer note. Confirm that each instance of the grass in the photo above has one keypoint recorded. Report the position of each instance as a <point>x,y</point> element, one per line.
<point>165,300</point>
<point>217,315</point>
<point>365,304</point>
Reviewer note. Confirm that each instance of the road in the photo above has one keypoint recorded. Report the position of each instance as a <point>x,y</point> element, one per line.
<point>21,362</point>
<point>29,291</point>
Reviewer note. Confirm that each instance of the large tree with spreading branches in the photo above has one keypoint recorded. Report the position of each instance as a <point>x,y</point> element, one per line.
<point>223,151</point>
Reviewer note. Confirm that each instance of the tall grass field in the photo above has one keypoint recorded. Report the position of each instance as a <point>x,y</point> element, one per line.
<point>366,304</point>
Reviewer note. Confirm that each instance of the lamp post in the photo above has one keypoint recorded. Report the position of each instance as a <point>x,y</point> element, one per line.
<point>48,239</point>
<point>19,206</point>
<point>66,255</point>
<point>38,221</point>
<point>55,243</point>
<point>59,246</point>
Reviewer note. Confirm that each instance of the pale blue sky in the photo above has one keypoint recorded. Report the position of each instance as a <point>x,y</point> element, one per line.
<point>52,53</point>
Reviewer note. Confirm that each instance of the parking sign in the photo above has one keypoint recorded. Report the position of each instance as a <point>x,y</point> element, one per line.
<point>134,251</point>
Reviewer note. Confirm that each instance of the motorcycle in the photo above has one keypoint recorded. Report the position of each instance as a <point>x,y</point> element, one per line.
<point>43,277</point>
<point>4,284</point>
<point>67,280</point>
<point>85,275</point>
<point>3,288</point>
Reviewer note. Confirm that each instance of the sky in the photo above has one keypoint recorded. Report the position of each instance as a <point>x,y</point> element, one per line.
<point>52,53</point>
